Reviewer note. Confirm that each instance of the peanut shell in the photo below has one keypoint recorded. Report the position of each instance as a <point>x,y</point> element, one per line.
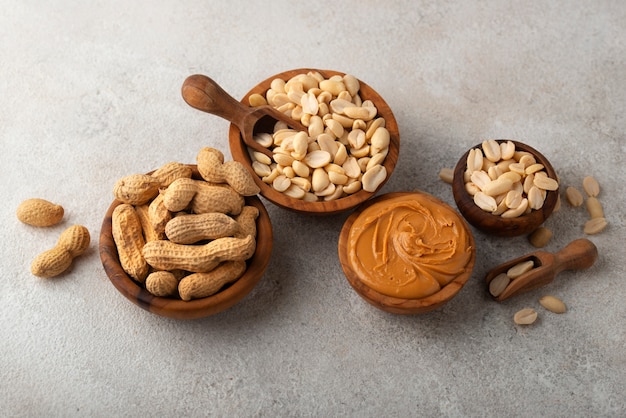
<point>39,212</point>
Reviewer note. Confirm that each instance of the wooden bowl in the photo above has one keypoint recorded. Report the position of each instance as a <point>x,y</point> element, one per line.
<point>240,153</point>
<point>196,308</point>
<point>495,224</point>
<point>399,305</point>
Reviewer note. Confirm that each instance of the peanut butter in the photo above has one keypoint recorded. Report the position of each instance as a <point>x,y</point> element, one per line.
<point>409,246</point>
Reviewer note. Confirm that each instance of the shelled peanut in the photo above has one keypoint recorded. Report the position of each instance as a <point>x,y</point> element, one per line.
<point>341,153</point>
<point>597,221</point>
<point>528,316</point>
<point>190,237</point>
<point>540,237</point>
<point>502,280</point>
<point>504,181</point>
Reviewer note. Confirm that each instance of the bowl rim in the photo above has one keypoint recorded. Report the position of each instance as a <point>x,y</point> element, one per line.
<point>495,224</point>
<point>196,308</point>
<point>393,304</point>
<point>239,152</point>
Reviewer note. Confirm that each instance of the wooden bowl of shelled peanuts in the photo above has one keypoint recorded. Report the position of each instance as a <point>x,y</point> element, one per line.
<point>309,190</point>
<point>535,191</point>
<point>406,252</point>
<point>174,306</point>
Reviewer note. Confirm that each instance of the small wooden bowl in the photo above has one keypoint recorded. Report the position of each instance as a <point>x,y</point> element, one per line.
<point>392,304</point>
<point>197,308</point>
<point>495,224</point>
<point>240,153</point>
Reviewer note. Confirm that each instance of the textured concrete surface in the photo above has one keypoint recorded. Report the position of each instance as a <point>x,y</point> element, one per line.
<point>90,91</point>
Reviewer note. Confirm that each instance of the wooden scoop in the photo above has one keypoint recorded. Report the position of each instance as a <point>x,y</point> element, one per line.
<point>577,255</point>
<point>202,93</point>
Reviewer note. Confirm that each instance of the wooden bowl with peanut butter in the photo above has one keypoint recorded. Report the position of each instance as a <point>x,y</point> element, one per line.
<point>345,156</point>
<point>505,187</point>
<point>406,252</point>
<point>173,306</point>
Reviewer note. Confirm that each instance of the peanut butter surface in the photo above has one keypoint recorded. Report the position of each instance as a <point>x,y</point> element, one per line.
<point>409,246</point>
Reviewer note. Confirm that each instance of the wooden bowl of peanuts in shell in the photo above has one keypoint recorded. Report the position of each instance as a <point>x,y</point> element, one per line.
<point>348,153</point>
<point>504,187</point>
<point>148,251</point>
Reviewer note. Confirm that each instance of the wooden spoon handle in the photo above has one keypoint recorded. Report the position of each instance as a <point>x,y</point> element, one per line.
<point>577,255</point>
<point>202,93</point>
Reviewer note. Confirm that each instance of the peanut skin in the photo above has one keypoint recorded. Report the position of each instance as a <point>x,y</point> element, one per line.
<point>71,243</point>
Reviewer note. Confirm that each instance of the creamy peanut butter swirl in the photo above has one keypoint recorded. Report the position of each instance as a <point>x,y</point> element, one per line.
<point>409,246</point>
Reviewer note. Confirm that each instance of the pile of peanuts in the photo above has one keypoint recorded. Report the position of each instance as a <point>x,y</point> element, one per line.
<point>342,152</point>
<point>183,237</point>
<point>504,181</point>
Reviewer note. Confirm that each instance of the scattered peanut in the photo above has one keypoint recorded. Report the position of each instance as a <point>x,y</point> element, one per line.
<point>594,208</point>
<point>574,197</point>
<point>540,237</point>
<point>591,186</point>
<point>495,169</point>
<point>553,304</point>
<point>595,226</point>
<point>525,316</point>
<point>71,243</point>
<point>597,222</point>
<point>39,212</point>
<point>342,129</point>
